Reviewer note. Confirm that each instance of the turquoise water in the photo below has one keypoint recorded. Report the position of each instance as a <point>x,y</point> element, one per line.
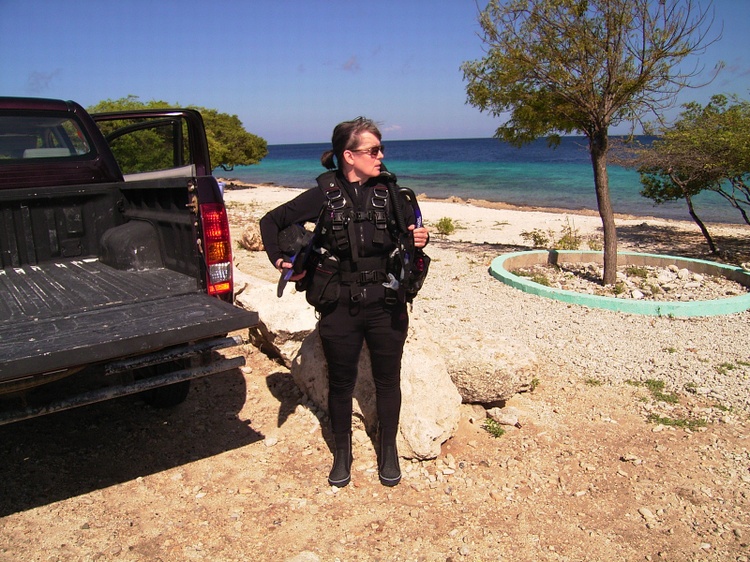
<point>534,175</point>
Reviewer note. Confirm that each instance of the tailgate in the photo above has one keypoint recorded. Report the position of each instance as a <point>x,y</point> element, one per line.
<point>67,315</point>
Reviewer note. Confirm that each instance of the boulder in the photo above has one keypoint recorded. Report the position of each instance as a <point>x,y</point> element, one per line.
<point>488,370</point>
<point>283,322</point>
<point>470,367</point>
<point>430,408</point>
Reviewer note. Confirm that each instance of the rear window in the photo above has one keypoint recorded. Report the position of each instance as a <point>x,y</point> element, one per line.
<point>148,144</point>
<point>26,137</point>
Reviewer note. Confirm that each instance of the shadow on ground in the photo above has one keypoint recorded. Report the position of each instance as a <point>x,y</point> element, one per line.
<point>67,454</point>
<point>666,240</point>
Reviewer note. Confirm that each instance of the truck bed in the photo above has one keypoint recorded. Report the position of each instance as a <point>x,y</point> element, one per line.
<point>75,306</point>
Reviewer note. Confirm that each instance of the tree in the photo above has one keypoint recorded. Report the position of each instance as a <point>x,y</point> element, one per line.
<point>715,140</point>
<point>564,66</point>
<point>229,144</point>
<point>707,148</point>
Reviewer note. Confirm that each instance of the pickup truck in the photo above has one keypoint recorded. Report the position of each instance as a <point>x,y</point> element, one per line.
<point>116,258</point>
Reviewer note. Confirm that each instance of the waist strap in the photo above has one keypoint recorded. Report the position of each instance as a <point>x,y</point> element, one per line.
<point>369,277</point>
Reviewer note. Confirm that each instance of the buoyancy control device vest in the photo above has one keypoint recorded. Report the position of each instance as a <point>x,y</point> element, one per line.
<point>359,228</point>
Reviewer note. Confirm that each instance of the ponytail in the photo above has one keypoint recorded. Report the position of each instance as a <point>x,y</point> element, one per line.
<point>327,160</point>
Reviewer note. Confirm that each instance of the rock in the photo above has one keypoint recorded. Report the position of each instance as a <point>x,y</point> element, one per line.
<point>435,378</point>
<point>503,417</point>
<point>430,403</point>
<point>490,370</point>
<point>284,322</point>
<point>251,239</point>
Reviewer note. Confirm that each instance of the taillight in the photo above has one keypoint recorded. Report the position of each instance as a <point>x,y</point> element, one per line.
<point>217,248</point>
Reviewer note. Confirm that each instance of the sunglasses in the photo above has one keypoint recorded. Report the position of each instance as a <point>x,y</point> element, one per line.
<point>373,151</point>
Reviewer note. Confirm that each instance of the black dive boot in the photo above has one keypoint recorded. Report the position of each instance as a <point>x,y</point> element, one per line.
<point>341,473</point>
<point>388,468</point>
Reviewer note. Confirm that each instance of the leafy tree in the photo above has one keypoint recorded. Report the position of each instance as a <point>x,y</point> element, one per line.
<point>715,140</point>
<point>561,66</point>
<point>707,148</point>
<point>229,144</point>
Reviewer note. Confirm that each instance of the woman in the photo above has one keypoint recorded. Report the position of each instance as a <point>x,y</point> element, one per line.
<point>360,236</point>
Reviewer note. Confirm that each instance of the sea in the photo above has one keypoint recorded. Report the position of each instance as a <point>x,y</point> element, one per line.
<point>535,175</point>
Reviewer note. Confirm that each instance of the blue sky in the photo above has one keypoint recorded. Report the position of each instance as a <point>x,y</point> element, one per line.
<point>290,69</point>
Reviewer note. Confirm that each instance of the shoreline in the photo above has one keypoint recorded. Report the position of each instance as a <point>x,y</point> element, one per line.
<point>487,222</point>
<point>501,205</point>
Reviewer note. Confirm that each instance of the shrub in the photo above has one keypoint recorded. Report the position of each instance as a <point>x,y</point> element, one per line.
<point>445,226</point>
<point>493,428</point>
<point>537,238</point>
<point>636,271</point>
<point>570,239</point>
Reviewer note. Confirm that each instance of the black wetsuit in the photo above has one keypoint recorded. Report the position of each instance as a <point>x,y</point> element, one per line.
<point>363,314</point>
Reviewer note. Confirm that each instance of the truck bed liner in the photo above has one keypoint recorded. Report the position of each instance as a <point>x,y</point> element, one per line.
<point>84,312</point>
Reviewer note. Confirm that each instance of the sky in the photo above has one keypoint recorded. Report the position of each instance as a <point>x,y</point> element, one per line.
<point>289,69</point>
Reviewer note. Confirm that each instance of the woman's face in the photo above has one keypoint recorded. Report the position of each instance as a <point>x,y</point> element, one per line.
<point>361,165</point>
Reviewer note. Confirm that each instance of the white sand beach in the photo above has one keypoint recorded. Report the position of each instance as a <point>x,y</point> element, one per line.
<point>480,222</point>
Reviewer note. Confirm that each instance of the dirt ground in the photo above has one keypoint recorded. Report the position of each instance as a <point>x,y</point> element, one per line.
<point>238,472</point>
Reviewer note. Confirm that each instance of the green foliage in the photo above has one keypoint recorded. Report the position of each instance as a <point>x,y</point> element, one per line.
<point>143,151</point>
<point>537,237</point>
<point>569,239</point>
<point>229,143</point>
<point>445,226</point>
<point>656,388</point>
<point>559,66</point>
<point>677,422</point>
<point>493,428</point>
<point>539,278</point>
<point>705,149</point>
<point>636,271</point>
<point>725,367</point>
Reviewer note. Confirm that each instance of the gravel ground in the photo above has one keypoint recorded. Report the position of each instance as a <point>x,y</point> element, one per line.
<point>707,356</point>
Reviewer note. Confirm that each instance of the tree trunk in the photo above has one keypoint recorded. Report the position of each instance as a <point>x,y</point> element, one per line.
<point>699,222</point>
<point>599,145</point>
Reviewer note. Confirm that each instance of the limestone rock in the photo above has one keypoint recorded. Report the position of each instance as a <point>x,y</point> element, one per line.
<point>250,238</point>
<point>430,408</point>
<point>283,322</point>
<point>435,377</point>
<point>487,371</point>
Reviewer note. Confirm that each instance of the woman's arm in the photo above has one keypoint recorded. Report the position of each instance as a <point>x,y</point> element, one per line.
<point>303,208</point>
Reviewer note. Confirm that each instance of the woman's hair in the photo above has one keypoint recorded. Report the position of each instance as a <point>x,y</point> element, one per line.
<point>346,137</point>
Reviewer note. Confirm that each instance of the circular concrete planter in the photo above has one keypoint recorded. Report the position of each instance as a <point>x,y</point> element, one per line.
<point>502,266</point>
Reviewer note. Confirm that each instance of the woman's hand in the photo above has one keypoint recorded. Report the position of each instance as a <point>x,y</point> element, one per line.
<point>282,265</point>
<point>421,236</point>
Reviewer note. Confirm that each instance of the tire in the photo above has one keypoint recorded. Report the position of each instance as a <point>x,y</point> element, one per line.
<point>166,396</point>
